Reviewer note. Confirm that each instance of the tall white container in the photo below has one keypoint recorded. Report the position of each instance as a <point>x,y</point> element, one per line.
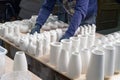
<point>20,62</point>
<point>74,66</point>
<point>55,51</point>
<point>109,60</point>
<point>66,44</point>
<point>3,52</point>
<point>91,40</point>
<point>117,57</point>
<point>63,61</point>
<point>96,66</point>
<point>39,48</point>
<point>75,44</point>
<point>85,56</point>
<point>83,41</point>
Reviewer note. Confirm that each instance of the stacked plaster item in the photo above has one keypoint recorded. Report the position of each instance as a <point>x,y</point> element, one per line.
<point>73,54</point>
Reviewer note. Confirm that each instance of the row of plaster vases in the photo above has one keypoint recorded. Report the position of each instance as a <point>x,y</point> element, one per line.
<point>102,61</point>
<point>108,61</point>
<point>72,55</point>
<point>29,42</point>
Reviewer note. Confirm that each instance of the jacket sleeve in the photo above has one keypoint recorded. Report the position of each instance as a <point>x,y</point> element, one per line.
<point>80,13</point>
<point>45,11</point>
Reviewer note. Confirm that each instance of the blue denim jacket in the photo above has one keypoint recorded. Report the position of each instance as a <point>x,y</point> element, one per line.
<point>84,11</point>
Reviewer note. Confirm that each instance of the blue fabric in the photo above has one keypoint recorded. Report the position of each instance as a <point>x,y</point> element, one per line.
<point>36,29</point>
<point>84,9</point>
<point>45,11</point>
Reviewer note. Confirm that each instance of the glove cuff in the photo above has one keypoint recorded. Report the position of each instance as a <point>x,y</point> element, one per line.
<point>38,25</point>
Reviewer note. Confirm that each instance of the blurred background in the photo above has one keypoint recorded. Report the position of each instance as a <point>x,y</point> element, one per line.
<point>108,18</point>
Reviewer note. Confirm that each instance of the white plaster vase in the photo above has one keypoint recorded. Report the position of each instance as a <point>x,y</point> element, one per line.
<point>66,44</point>
<point>46,46</point>
<point>20,62</point>
<point>3,53</point>
<point>59,24</point>
<point>104,39</point>
<point>63,61</point>
<point>110,37</point>
<point>98,42</point>
<point>52,25</point>
<point>83,42</point>
<point>17,40</point>
<point>85,56</point>
<point>86,30</point>
<point>46,27</point>
<point>109,60</point>
<point>17,36</point>
<point>17,75</point>
<point>53,36</point>
<point>62,24</point>
<point>1,31</point>
<point>116,35</point>
<point>46,43</point>
<point>81,30</point>
<point>10,33</point>
<point>93,29</point>
<point>23,43</point>
<point>75,44</point>
<point>31,47</point>
<point>17,31</point>
<point>96,66</point>
<point>117,56</point>
<point>91,40</point>
<point>5,30</point>
<point>55,51</point>
<point>89,29</point>
<point>39,48</point>
<point>74,66</point>
<point>24,28</point>
<point>59,34</point>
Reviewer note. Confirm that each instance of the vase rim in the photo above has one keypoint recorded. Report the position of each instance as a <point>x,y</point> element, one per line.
<point>109,47</point>
<point>65,40</point>
<point>98,52</point>
<point>56,43</point>
<point>20,52</point>
<point>75,53</point>
<point>117,44</point>
<point>74,38</point>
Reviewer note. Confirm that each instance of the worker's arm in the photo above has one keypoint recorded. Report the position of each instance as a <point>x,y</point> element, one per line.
<point>43,15</point>
<point>45,11</point>
<point>80,13</point>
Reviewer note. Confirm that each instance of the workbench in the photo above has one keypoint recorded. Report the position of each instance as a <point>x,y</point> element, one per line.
<point>40,65</point>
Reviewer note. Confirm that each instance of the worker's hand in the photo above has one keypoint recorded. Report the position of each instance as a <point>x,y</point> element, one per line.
<point>65,36</point>
<point>36,29</point>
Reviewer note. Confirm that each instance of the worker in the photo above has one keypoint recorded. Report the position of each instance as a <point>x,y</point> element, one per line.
<point>81,12</point>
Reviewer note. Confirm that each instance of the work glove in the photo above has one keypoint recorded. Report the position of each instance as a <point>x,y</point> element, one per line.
<point>36,29</point>
<point>65,36</point>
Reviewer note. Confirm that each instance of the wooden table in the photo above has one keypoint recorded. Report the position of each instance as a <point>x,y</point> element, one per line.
<point>9,68</point>
<point>40,65</point>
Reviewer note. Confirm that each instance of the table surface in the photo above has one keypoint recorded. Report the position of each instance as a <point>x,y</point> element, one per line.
<point>45,60</point>
<point>9,67</point>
